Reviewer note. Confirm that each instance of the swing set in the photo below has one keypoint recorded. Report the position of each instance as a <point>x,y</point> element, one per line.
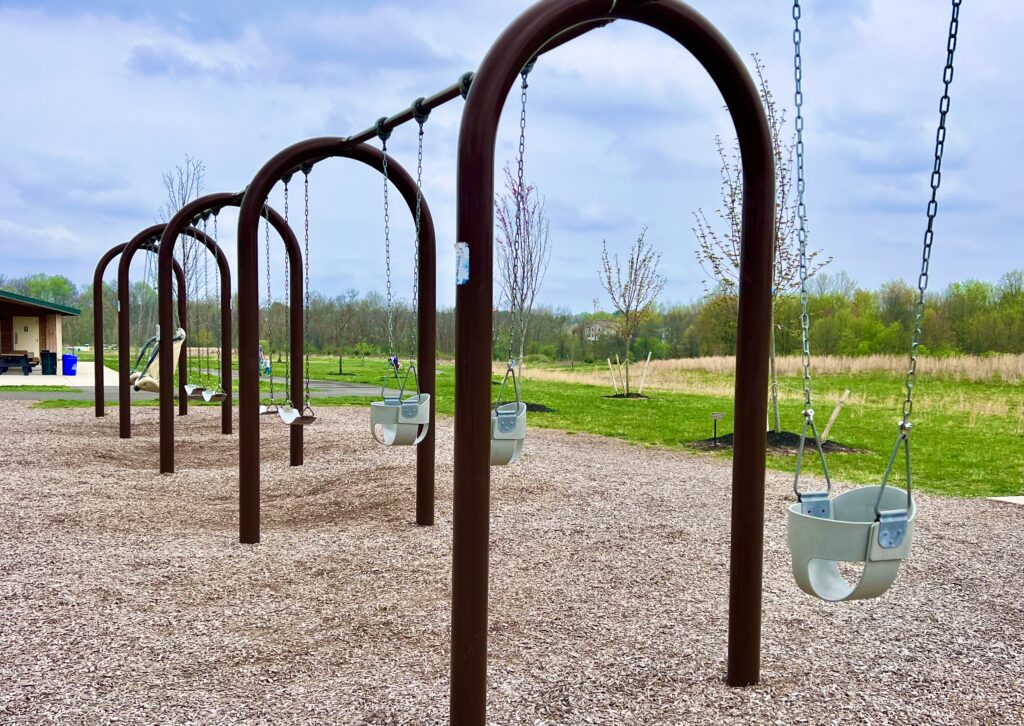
<point>873,525</point>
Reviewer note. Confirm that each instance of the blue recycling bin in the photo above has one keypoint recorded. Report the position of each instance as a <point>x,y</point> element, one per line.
<point>69,364</point>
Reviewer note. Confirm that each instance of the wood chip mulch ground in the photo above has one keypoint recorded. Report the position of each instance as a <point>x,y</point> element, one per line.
<point>124,595</point>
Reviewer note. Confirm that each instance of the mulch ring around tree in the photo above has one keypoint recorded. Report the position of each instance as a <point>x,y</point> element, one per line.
<point>530,407</point>
<point>786,443</point>
<point>626,395</point>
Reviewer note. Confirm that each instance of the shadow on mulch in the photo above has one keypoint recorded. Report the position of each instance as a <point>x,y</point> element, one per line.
<point>786,443</point>
<point>531,407</point>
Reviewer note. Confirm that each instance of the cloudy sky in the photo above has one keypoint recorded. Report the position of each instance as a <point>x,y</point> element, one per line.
<point>102,97</point>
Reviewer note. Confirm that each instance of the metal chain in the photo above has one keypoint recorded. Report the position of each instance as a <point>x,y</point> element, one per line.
<point>216,294</point>
<point>206,304</point>
<point>801,209</point>
<point>933,207</point>
<point>517,239</point>
<point>288,306</point>
<point>801,212</point>
<point>387,252</point>
<point>416,251</point>
<point>270,300</point>
<point>305,288</point>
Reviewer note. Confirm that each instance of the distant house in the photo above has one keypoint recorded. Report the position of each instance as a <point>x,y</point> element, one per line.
<point>30,326</point>
<point>594,330</point>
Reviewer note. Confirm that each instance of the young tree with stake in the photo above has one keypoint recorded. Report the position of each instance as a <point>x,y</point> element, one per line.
<point>718,251</point>
<point>633,291</point>
<point>524,249</point>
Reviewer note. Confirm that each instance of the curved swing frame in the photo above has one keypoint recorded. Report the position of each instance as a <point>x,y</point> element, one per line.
<point>188,216</point>
<point>520,43</point>
<point>148,238</point>
<point>97,320</point>
<point>289,161</point>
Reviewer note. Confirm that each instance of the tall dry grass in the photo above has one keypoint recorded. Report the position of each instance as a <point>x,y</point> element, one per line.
<point>688,375</point>
<point>1007,368</point>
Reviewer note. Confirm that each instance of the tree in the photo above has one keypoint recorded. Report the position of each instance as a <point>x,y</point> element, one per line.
<point>524,249</point>
<point>184,183</point>
<point>632,296</point>
<point>718,252</point>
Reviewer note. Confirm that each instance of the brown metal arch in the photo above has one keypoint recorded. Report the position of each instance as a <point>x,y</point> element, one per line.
<point>518,44</point>
<point>97,315</point>
<point>146,239</point>
<point>280,165</point>
<point>189,214</point>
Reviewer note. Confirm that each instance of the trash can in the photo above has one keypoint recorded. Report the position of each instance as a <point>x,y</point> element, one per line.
<point>69,364</point>
<point>48,363</point>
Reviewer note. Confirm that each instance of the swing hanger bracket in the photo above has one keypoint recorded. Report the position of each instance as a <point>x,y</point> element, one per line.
<point>381,127</point>
<point>419,112</point>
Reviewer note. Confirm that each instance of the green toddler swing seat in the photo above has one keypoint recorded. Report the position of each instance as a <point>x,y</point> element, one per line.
<point>400,420</point>
<point>508,423</point>
<point>873,525</point>
<point>397,421</point>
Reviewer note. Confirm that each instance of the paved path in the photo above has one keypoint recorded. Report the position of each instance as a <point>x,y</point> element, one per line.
<point>325,389</point>
<point>1009,500</point>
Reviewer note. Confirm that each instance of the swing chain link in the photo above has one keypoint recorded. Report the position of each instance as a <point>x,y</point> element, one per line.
<point>933,206</point>
<point>306,168</point>
<point>216,294</point>
<point>801,211</point>
<point>384,134</point>
<point>288,304</point>
<point>421,118</point>
<point>269,351</point>
<point>517,240</point>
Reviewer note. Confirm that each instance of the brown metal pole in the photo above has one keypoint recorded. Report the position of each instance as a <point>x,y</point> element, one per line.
<point>123,326</point>
<point>521,41</point>
<point>97,324</point>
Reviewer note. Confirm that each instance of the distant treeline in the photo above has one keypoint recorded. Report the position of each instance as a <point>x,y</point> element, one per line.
<point>970,317</point>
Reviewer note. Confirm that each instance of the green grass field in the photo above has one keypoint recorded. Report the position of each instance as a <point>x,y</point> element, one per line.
<point>40,389</point>
<point>968,437</point>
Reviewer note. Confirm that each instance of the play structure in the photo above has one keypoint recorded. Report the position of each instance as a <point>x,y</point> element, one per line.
<point>871,525</point>
<point>190,215</point>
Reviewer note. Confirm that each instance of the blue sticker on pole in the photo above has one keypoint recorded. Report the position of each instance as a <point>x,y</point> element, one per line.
<point>461,263</point>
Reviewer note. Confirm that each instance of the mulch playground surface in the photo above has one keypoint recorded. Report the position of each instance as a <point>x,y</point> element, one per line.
<point>125,596</point>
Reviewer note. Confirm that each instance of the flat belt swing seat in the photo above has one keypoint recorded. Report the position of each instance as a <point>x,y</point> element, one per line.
<point>214,395</point>
<point>294,416</point>
<point>873,525</point>
<point>194,390</point>
<point>400,421</point>
<point>508,431</point>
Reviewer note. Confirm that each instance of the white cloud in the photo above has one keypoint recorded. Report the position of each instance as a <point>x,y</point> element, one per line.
<point>621,130</point>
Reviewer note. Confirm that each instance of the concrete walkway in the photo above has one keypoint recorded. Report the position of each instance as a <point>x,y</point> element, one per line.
<point>1009,500</point>
<point>84,377</point>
